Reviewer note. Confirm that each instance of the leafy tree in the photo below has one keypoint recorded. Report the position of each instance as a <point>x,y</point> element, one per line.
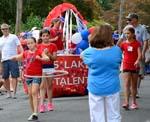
<point>38,7</point>
<point>32,21</point>
<point>8,11</point>
<point>105,4</point>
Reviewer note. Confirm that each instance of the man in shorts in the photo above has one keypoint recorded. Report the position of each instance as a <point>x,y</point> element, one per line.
<point>9,43</point>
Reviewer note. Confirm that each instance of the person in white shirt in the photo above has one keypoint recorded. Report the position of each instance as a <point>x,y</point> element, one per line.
<point>9,46</point>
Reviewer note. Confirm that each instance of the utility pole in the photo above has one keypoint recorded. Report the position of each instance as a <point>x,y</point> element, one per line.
<point>18,16</point>
<point>120,16</point>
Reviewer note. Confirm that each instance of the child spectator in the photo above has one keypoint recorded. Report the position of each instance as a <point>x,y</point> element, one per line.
<point>132,56</point>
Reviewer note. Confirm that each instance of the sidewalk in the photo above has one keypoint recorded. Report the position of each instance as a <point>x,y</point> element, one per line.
<point>71,109</point>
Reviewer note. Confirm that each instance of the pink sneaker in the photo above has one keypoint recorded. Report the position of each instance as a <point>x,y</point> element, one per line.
<point>125,106</point>
<point>42,108</point>
<point>134,106</point>
<point>50,107</point>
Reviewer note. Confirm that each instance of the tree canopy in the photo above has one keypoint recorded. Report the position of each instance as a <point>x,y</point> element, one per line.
<point>106,10</point>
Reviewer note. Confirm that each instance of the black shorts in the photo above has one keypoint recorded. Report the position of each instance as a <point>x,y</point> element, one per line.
<point>131,71</point>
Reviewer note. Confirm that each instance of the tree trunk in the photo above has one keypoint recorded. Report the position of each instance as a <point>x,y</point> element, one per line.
<point>18,16</point>
<point>120,16</point>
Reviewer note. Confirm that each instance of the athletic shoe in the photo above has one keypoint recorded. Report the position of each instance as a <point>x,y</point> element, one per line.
<point>42,108</point>
<point>14,96</point>
<point>8,96</point>
<point>125,106</point>
<point>134,106</point>
<point>137,95</point>
<point>33,117</point>
<point>50,107</point>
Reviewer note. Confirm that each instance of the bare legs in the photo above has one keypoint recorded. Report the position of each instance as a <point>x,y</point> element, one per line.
<point>130,80</point>
<point>14,85</point>
<point>134,86</point>
<point>7,86</point>
<point>46,87</point>
<point>127,83</point>
<point>33,97</point>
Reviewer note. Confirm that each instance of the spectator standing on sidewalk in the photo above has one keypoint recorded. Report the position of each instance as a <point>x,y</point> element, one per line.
<point>9,43</point>
<point>103,60</point>
<point>132,55</point>
<point>142,36</point>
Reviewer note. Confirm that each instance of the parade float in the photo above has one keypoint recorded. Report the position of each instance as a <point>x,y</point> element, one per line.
<point>75,82</point>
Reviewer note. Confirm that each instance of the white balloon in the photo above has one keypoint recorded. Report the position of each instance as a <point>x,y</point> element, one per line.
<point>76,38</point>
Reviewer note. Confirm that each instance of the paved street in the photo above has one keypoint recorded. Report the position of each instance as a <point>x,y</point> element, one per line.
<point>71,109</point>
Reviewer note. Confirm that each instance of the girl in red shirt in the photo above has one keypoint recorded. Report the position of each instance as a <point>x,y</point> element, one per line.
<point>33,60</point>
<point>131,56</point>
<point>57,35</point>
<point>48,68</point>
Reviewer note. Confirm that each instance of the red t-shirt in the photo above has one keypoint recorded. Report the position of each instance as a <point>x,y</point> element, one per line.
<point>59,42</point>
<point>130,54</point>
<point>51,48</point>
<point>33,65</point>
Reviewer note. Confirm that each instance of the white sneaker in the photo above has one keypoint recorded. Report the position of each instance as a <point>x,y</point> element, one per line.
<point>8,96</point>
<point>14,96</point>
<point>137,95</point>
<point>33,117</point>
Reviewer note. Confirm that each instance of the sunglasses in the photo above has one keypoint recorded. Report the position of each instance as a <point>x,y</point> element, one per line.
<point>129,19</point>
<point>4,29</point>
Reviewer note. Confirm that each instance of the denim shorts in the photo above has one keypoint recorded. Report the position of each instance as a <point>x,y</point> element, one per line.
<point>33,80</point>
<point>10,68</point>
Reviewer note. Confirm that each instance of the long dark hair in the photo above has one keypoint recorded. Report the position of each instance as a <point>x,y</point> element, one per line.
<point>41,33</point>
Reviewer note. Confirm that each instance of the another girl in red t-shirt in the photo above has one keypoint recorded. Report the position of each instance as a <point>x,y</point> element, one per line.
<point>57,35</point>
<point>33,60</point>
<point>131,56</point>
<point>48,68</point>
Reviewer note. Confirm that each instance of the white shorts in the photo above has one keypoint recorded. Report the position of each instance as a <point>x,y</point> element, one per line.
<point>60,51</point>
<point>48,70</point>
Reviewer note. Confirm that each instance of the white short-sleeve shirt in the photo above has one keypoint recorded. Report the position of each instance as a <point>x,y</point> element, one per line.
<point>8,46</point>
